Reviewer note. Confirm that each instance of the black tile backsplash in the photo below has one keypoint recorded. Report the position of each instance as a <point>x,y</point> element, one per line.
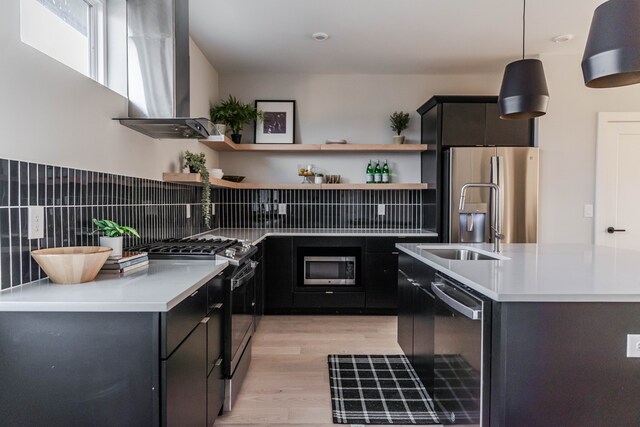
<point>71,199</point>
<point>322,209</point>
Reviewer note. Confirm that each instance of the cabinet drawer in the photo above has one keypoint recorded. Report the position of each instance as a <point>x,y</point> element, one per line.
<point>214,335</point>
<point>388,244</point>
<point>328,299</point>
<point>176,324</point>
<point>215,392</point>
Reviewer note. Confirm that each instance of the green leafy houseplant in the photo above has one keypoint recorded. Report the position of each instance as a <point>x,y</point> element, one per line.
<point>235,115</point>
<point>111,229</point>
<point>196,164</point>
<point>399,121</point>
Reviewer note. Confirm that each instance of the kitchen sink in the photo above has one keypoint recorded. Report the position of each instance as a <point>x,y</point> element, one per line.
<point>461,253</point>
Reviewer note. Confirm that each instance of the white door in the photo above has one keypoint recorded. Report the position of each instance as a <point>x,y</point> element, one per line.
<point>617,204</point>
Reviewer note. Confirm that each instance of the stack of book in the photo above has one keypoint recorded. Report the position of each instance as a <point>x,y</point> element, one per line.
<point>129,262</point>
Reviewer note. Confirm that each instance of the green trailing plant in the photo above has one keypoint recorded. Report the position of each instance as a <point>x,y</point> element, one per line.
<point>111,229</point>
<point>196,164</point>
<point>234,114</point>
<point>399,121</point>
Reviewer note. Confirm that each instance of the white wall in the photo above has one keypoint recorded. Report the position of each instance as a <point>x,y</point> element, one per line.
<point>52,114</point>
<point>567,137</point>
<point>353,107</point>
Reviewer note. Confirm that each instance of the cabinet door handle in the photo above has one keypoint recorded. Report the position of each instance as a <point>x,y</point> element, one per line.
<point>328,292</point>
<point>253,304</point>
<point>205,320</point>
<point>194,294</point>
<point>395,253</point>
<point>218,362</point>
<point>218,306</point>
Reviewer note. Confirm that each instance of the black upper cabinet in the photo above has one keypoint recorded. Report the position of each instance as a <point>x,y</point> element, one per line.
<point>463,124</point>
<point>463,121</point>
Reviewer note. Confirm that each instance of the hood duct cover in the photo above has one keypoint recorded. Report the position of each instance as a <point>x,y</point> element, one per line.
<point>158,70</point>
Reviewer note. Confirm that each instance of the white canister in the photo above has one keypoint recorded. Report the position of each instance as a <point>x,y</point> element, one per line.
<point>114,243</point>
<point>319,179</point>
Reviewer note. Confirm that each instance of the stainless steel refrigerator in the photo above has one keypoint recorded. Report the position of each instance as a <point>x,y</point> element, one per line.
<point>514,170</point>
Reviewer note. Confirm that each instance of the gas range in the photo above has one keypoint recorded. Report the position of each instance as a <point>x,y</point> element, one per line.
<point>199,248</point>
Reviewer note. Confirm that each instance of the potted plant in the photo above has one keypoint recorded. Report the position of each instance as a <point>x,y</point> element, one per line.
<point>196,164</point>
<point>113,234</point>
<point>234,114</point>
<point>399,122</point>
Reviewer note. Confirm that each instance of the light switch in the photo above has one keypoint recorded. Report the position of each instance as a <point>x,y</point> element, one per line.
<point>588,211</point>
<point>633,345</point>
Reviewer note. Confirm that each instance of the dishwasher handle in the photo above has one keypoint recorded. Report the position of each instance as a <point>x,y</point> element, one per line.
<point>473,313</point>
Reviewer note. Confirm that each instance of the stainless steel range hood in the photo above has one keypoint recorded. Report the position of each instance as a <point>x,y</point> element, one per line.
<point>158,70</point>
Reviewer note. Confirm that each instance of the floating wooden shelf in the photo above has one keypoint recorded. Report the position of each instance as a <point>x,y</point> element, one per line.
<point>226,145</point>
<point>194,179</point>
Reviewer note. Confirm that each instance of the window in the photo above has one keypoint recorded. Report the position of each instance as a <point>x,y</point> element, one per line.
<point>70,31</point>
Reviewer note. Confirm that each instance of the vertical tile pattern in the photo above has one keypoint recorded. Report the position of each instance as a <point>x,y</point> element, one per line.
<point>354,209</point>
<point>72,198</point>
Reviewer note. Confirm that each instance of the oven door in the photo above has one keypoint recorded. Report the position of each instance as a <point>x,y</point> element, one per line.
<point>460,374</point>
<point>329,270</point>
<point>242,310</point>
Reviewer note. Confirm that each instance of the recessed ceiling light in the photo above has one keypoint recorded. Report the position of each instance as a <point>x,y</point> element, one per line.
<point>320,36</point>
<point>562,38</point>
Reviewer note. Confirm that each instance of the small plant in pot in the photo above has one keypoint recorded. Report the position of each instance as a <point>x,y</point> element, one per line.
<point>399,122</point>
<point>234,114</point>
<point>196,164</point>
<point>113,234</point>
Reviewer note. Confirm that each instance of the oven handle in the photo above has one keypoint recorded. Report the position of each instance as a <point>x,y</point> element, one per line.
<point>244,275</point>
<point>473,313</point>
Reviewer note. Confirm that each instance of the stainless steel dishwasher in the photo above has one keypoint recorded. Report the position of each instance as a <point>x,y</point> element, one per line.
<point>462,340</point>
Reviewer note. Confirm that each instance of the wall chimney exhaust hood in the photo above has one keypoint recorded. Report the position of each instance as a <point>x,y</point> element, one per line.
<point>158,71</point>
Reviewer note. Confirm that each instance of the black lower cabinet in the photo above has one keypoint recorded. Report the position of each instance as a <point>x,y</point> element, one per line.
<point>259,284</point>
<point>375,290</point>
<point>279,259</point>
<point>416,304</point>
<point>112,368</point>
<point>406,293</point>
<point>185,380</point>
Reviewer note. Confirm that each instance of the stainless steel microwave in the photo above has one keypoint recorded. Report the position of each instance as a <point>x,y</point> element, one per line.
<point>329,270</point>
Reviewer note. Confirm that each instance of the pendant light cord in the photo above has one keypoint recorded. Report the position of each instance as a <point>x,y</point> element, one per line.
<point>524,24</point>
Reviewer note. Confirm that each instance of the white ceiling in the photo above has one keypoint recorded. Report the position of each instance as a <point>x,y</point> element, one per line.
<point>382,36</point>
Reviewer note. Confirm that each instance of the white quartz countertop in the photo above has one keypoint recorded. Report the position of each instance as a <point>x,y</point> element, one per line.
<point>259,234</point>
<point>160,288</point>
<point>544,272</point>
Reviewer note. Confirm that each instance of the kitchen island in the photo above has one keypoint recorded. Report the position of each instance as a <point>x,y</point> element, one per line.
<point>549,334</point>
<point>143,349</point>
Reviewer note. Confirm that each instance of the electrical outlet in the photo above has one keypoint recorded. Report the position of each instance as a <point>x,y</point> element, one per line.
<point>633,345</point>
<point>588,211</point>
<point>213,208</point>
<point>282,208</point>
<point>188,211</point>
<point>36,222</point>
<point>381,209</point>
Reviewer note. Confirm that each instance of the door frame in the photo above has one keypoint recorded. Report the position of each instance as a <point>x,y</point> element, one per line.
<point>606,123</point>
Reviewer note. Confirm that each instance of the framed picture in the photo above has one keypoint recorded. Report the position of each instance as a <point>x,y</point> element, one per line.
<point>278,126</point>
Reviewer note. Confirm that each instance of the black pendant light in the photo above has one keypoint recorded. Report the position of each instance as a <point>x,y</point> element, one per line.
<point>612,55</point>
<point>524,93</point>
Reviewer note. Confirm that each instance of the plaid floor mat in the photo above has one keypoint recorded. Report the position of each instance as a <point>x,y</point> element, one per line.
<point>377,390</point>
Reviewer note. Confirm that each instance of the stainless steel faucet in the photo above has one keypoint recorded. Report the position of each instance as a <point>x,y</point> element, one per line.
<point>496,217</point>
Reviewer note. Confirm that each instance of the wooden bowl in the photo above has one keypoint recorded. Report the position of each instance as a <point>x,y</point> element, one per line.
<point>74,264</point>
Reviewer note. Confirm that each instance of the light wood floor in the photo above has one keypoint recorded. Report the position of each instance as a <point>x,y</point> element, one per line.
<point>288,381</point>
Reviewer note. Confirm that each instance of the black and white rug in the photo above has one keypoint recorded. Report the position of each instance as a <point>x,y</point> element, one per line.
<point>378,390</point>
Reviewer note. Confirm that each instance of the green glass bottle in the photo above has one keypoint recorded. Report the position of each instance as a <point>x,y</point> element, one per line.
<point>369,173</point>
<point>377,173</point>
<point>386,173</point>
